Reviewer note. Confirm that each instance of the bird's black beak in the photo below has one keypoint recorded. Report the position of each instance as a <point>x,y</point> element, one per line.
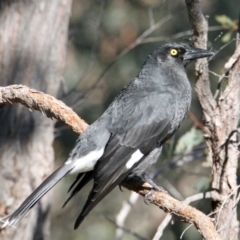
<point>195,53</point>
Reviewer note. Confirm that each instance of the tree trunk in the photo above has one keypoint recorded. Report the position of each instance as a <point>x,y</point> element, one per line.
<point>225,155</point>
<point>221,116</point>
<point>33,38</point>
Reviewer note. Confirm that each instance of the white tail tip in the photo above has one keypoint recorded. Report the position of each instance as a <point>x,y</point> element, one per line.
<point>6,223</point>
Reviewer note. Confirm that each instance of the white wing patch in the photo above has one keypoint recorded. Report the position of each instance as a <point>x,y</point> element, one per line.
<point>136,156</point>
<point>87,162</point>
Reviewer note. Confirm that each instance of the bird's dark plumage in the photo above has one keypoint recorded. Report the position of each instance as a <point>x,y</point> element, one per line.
<point>127,138</point>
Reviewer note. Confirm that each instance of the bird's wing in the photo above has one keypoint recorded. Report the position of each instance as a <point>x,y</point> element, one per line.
<point>142,118</point>
<point>148,126</point>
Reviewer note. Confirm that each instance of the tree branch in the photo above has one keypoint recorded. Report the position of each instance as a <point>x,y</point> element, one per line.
<point>168,218</point>
<point>44,103</point>
<point>200,29</point>
<point>179,209</point>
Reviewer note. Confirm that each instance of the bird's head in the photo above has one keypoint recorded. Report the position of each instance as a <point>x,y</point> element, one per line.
<point>179,53</point>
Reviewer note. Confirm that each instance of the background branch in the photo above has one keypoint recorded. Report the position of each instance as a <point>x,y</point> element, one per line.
<point>124,212</point>
<point>168,218</point>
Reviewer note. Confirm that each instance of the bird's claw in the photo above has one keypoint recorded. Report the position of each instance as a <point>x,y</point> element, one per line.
<point>146,197</point>
<point>149,194</point>
<point>155,187</point>
<point>120,187</point>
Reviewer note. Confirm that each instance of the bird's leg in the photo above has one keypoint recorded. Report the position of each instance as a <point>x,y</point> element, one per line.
<point>147,179</point>
<point>155,187</point>
<point>149,194</point>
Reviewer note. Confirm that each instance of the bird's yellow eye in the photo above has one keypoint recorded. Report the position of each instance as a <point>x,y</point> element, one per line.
<point>174,52</point>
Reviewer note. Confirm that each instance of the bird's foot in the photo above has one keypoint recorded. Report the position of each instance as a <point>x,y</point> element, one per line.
<point>155,187</point>
<point>147,179</point>
<point>146,197</point>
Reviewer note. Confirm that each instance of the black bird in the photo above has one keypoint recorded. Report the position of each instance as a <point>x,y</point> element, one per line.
<point>127,138</point>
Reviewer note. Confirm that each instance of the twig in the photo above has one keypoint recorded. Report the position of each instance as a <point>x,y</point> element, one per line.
<point>181,159</point>
<point>167,219</point>
<point>126,50</point>
<point>125,229</point>
<point>220,78</point>
<point>233,59</point>
<point>178,35</point>
<point>170,188</point>
<point>223,203</point>
<point>238,31</point>
<point>151,17</point>
<point>162,227</point>
<point>181,236</point>
<point>195,120</point>
<point>145,34</point>
<point>220,49</point>
<point>123,213</point>
<point>91,60</point>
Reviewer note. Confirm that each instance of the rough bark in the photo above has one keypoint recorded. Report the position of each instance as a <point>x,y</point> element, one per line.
<point>220,122</point>
<point>45,103</point>
<point>182,211</point>
<point>32,52</point>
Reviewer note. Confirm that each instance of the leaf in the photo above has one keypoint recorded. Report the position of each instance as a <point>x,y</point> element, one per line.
<point>226,37</point>
<point>188,141</point>
<point>202,184</point>
<point>226,22</point>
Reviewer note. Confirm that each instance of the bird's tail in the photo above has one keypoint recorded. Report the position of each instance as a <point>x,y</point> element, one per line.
<point>25,207</point>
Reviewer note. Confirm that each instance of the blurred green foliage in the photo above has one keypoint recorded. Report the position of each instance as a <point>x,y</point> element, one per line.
<point>188,141</point>
<point>99,31</point>
<point>229,24</point>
